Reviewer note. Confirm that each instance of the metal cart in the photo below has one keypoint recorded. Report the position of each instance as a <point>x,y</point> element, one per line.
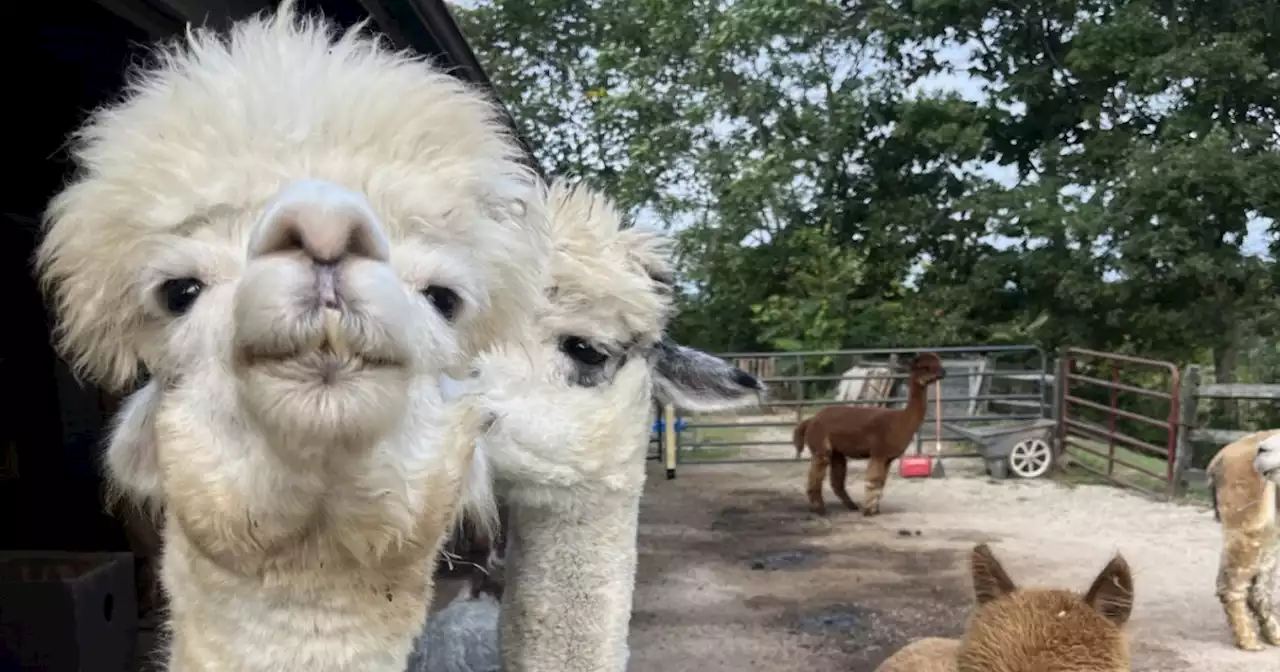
<point>1024,448</point>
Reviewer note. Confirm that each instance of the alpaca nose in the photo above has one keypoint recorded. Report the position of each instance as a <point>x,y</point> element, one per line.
<point>322,220</point>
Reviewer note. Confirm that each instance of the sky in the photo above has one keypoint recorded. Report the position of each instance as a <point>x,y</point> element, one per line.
<point>1256,243</point>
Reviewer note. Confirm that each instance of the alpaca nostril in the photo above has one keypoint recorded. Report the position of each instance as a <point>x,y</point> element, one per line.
<point>322,220</point>
<point>327,285</point>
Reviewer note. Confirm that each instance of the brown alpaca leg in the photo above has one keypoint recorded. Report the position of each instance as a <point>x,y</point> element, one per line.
<point>839,474</point>
<point>818,461</point>
<point>1236,574</point>
<point>877,474</point>
<point>1260,593</point>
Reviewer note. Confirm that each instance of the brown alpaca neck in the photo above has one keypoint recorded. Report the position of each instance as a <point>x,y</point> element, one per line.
<point>913,415</point>
<point>917,397</point>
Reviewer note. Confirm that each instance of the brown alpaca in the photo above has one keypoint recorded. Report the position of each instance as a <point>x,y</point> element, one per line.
<point>1245,502</point>
<point>931,654</point>
<point>1031,630</point>
<point>880,435</point>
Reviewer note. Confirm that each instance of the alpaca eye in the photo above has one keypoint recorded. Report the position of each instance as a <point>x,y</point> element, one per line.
<point>581,351</point>
<point>445,300</point>
<point>179,294</point>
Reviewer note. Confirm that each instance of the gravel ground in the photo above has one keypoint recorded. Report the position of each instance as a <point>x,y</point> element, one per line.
<point>736,575</point>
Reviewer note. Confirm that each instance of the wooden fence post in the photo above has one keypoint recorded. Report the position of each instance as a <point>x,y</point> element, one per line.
<point>1188,405</point>
<point>1059,433</point>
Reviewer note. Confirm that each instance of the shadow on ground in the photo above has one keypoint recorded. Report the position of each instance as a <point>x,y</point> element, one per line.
<point>746,578</point>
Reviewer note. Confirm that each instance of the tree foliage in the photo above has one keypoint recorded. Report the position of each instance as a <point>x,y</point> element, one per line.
<point>833,184</point>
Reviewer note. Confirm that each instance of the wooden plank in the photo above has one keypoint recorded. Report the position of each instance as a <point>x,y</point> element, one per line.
<point>1219,436</point>
<point>1238,391</point>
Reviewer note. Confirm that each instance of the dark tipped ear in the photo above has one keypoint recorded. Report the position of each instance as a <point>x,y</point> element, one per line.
<point>1112,592</point>
<point>990,581</point>
<point>693,380</point>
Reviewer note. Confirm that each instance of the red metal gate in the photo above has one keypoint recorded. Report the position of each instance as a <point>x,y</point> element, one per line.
<point>1146,464</point>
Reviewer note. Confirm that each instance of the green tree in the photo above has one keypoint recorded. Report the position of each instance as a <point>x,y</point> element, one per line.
<point>1163,116</point>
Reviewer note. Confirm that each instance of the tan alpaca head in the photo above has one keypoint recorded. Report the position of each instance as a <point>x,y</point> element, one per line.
<point>1267,462</point>
<point>1040,630</point>
<point>293,233</point>
<point>575,401</point>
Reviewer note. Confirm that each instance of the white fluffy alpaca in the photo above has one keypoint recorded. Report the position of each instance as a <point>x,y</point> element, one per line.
<point>295,233</point>
<point>1267,461</point>
<point>573,410</point>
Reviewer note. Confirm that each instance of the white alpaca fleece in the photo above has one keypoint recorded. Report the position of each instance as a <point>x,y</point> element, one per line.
<point>206,135</point>
<point>295,233</point>
<point>572,403</point>
<point>1267,462</point>
<point>565,426</point>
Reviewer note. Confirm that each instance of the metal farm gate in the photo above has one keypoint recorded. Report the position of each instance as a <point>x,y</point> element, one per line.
<point>985,384</point>
<point>1118,418</point>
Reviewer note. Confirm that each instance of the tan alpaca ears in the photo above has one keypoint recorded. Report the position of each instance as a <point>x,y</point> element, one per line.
<point>1112,592</point>
<point>990,581</point>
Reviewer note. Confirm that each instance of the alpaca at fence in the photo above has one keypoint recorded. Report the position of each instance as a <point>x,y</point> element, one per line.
<point>881,435</point>
<point>573,404</point>
<point>294,233</point>
<point>1029,629</point>
<point>1245,501</point>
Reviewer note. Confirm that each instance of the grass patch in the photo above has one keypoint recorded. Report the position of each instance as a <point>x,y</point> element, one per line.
<point>1077,475</point>
<point>707,454</point>
<point>700,435</point>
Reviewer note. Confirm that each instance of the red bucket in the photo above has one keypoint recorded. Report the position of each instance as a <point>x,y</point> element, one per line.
<point>915,466</point>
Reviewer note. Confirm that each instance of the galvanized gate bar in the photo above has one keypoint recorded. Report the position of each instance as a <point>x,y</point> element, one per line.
<point>803,404</point>
<point>943,350</point>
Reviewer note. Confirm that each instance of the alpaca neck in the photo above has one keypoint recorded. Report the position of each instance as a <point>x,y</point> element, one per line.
<point>913,415</point>
<point>917,399</point>
<point>571,562</point>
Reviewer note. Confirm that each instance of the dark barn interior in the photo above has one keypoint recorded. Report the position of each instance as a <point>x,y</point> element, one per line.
<point>67,58</point>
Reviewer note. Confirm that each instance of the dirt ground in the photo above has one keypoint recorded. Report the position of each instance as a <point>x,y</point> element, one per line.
<point>734,574</point>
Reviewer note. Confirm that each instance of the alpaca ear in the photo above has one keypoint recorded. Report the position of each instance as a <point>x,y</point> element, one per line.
<point>693,380</point>
<point>990,581</point>
<point>1112,592</point>
<point>132,465</point>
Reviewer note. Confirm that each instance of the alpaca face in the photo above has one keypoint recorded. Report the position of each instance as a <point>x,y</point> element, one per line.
<point>323,319</point>
<point>293,233</point>
<point>1268,460</point>
<point>927,368</point>
<point>549,422</point>
<point>1021,630</point>
<point>574,399</point>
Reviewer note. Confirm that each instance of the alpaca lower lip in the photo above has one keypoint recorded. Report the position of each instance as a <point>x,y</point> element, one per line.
<point>323,360</point>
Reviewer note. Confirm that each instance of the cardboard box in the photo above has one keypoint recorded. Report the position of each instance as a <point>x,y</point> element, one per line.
<point>67,612</point>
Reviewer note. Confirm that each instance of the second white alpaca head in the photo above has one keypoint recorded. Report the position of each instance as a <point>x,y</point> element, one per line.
<point>574,401</point>
<point>294,234</point>
<point>1267,461</point>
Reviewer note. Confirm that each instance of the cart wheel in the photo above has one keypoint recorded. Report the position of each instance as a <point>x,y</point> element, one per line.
<point>1031,458</point>
<point>998,469</point>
